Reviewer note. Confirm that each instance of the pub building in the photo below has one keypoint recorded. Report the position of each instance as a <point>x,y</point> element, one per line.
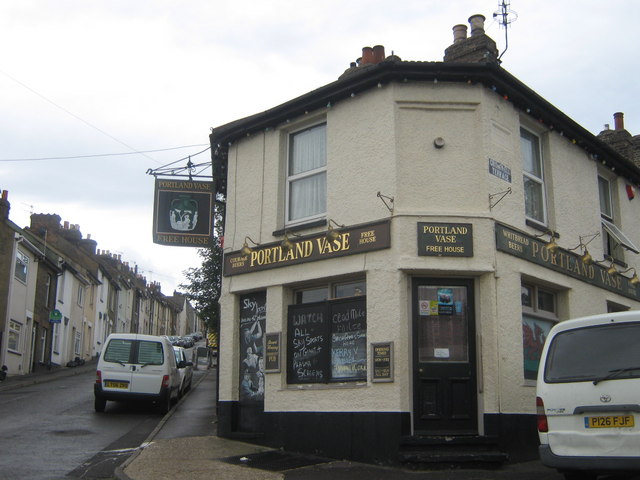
<point>397,245</point>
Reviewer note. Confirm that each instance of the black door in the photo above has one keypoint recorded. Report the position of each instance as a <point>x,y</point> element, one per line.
<point>445,397</point>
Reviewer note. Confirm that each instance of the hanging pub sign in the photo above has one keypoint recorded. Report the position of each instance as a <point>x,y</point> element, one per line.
<point>183,213</point>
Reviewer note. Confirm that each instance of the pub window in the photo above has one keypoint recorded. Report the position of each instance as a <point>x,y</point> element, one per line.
<point>539,314</point>
<point>22,266</point>
<point>533,177</point>
<point>326,339</point>
<point>307,175</point>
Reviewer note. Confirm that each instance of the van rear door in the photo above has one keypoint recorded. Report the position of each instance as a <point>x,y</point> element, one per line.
<point>148,367</point>
<point>116,365</point>
<point>588,388</point>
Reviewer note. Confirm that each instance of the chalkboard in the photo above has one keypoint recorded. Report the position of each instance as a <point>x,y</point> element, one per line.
<point>252,324</point>
<point>308,343</point>
<point>348,339</point>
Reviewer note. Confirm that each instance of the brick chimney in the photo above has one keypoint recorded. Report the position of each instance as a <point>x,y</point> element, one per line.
<point>478,48</point>
<point>5,206</point>
<point>621,140</point>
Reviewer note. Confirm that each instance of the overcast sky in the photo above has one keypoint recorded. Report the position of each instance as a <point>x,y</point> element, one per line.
<point>87,78</point>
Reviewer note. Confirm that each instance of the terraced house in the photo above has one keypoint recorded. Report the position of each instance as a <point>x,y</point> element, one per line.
<point>397,244</point>
<point>60,297</point>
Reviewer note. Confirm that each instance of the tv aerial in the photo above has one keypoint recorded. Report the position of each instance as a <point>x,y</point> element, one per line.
<point>505,17</point>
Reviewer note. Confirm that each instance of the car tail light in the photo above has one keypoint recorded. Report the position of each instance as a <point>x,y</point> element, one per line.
<point>98,377</point>
<point>543,425</point>
<point>165,381</point>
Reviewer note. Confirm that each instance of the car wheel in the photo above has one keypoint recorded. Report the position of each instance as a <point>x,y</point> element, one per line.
<point>99,404</point>
<point>165,406</point>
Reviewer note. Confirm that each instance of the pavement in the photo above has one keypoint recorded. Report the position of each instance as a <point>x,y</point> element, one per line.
<point>204,455</point>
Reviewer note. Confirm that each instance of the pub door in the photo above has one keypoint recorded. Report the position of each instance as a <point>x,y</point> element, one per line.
<point>444,355</point>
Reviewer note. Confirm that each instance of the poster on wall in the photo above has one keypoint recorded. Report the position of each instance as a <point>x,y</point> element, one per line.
<point>534,334</point>
<point>182,213</point>
<point>253,309</point>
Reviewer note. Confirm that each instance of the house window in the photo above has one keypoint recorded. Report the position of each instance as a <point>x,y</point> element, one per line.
<point>15,332</point>
<point>604,190</point>
<point>539,314</point>
<point>22,266</point>
<point>307,175</point>
<point>534,195</point>
<point>80,295</point>
<point>326,339</point>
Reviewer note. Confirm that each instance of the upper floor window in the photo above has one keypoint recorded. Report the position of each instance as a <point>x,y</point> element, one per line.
<point>80,295</point>
<point>533,176</point>
<point>307,174</point>
<point>22,266</point>
<point>614,239</point>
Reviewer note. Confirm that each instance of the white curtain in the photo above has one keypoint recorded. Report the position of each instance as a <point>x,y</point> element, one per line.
<point>307,173</point>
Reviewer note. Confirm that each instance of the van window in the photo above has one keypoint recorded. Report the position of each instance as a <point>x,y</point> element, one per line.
<point>150,353</point>
<point>142,352</point>
<point>592,353</point>
<point>118,351</point>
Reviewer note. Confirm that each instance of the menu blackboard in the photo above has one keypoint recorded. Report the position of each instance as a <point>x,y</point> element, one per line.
<point>308,343</point>
<point>348,339</point>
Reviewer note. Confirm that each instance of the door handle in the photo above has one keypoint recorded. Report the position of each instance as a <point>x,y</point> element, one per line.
<point>421,370</point>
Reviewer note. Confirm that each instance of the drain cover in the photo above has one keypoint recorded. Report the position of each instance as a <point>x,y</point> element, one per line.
<point>275,460</point>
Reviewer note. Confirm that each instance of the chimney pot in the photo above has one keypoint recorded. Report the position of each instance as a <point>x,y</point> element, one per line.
<point>459,33</point>
<point>618,120</point>
<point>378,54</point>
<point>367,56</point>
<point>477,24</point>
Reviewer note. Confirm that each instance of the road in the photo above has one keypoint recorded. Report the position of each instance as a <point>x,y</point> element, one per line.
<point>50,430</point>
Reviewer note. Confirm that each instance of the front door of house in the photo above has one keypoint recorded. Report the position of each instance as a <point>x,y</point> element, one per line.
<point>444,354</point>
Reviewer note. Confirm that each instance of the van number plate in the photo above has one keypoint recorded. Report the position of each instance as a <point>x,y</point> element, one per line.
<point>110,384</point>
<point>612,421</point>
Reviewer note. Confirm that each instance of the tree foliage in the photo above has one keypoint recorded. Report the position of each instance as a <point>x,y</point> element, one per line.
<point>205,282</point>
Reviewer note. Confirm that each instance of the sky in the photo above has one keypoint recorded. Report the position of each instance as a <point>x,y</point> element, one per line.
<point>94,93</point>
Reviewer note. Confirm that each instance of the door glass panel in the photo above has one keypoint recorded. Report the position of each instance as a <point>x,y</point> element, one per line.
<point>443,324</point>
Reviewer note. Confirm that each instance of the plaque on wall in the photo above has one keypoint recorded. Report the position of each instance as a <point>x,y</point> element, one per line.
<point>272,352</point>
<point>382,362</point>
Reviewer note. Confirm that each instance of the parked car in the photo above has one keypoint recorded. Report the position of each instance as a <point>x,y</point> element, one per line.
<point>185,369</point>
<point>136,367</point>
<point>187,341</point>
<point>587,396</point>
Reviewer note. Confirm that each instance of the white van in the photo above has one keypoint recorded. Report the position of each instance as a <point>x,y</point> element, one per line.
<point>588,395</point>
<point>136,367</point>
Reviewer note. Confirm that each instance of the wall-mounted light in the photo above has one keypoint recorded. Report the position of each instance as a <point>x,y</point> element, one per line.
<point>332,234</point>
<point>586,257</point>
<point>287,244</point>
<point>612,270</point>
<point>634,280</point>
<point>246,249</point>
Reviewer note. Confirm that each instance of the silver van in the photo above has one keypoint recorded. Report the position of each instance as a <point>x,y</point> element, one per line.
<point>136,367</point>
<point>588,396</point>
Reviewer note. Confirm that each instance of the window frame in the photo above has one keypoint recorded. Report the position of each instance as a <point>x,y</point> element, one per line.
<point>332,298</point>
<point>23,274</point>
<point>530,176</point>
<point>14,336</point>
<point>291,178</point>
